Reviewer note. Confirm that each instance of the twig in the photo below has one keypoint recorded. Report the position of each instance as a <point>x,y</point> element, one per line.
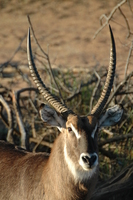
<point>127,77</point>
<point>93,80</point>
<point>47,57</point>
<point>76,93</point>
<point>109,17</point>
<point>15,99</point>
<point>48,144</point>
<point>108,154</point>
<point>33,128</point>
<point>107,132</point>
<point>129,55</point>
<point>64,87</point>
<point>7,62</point>
<point>33,106</point>
<point>128,27</point>
<point>40,141</point>
<point>123,92</point>
<point>10,119</point>
<point>131,98</point>
<point>115,139</point>
<point>118,88</point>
<point>5,121</point>
<point>26,89</point>
<point>128,2</point>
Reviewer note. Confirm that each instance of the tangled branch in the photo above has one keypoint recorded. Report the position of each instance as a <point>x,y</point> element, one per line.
<point>107,19</point>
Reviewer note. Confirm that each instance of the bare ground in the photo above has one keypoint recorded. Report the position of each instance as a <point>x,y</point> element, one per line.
<point>67,29</point>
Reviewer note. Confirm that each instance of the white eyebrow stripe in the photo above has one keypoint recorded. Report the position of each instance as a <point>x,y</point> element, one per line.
<point>75,131</point>
<point>94,131</point>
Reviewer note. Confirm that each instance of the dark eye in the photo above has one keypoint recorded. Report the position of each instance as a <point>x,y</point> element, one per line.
<point>69,129</point>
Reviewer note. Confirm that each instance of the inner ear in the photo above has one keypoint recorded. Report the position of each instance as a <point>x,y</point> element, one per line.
<point>51,117</point>
<point>94,131</point>
<point>111,117</point>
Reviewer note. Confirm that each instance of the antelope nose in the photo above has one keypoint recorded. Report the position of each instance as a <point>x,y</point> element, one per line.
<point>89,159</point>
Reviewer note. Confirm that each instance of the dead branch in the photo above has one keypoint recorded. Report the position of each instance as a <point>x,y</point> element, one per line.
<point>128,58</point>
<point>74,94</point>
<point>44,143</point>
<point>33,106</point>
<point>64,87</point>
<point>119,87</point>
<point>110,154</point>
<point>5,121</point>
<point>115,139</point>
<point>128,27</point>
<point>126,78</point>
<point>107,132</point>
<point>124,92</point>
<point>7,62</point>
<point>10,119</point>
<point>130,7</point>
<point>34,135</point>
<point>15,99</point>
<point>26,89</point>
<point>109,18</point>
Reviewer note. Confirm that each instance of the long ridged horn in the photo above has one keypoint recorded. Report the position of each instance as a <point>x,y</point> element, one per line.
<point>109,80</point>
<point>55,103</point>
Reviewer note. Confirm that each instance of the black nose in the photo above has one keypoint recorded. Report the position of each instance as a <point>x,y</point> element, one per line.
<point>89,160</point>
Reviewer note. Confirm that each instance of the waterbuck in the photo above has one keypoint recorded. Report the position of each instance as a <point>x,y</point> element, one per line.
<point>70,171</point>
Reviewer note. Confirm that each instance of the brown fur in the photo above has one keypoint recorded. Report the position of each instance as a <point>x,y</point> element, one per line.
<point>24,175</point>
<point>32,176</point>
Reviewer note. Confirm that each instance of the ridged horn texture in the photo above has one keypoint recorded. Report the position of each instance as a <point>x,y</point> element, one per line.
<point>109,80</point>
<point>52,100</point>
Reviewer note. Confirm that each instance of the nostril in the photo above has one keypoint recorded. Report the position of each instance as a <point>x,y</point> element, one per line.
<point>86,159</point>
<point>89,160</point>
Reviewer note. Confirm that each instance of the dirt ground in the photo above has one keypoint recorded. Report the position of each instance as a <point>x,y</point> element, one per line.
<point>67,27</point>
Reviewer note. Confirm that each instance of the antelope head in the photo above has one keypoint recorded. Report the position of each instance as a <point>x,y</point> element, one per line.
<point>78,133</point>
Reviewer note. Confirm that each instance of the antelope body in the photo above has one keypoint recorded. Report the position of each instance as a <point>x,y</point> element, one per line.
<point>71,170</point>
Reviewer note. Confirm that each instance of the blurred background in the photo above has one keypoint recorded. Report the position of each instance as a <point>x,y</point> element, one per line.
<point>75,36</point>
<point>68,27</point>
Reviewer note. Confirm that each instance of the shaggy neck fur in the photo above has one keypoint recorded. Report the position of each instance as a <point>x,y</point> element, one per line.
<point>62,182</point>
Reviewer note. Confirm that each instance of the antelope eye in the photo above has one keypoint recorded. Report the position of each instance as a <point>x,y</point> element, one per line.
<point>69,129</point>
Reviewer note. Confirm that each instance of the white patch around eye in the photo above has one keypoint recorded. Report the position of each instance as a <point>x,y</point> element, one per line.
<point>75,131</point>
<point>78,174</point>
<point>94,131</point>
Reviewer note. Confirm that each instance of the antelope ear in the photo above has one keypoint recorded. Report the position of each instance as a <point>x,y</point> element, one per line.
<point>111,117</point>
<point>51,117</point>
